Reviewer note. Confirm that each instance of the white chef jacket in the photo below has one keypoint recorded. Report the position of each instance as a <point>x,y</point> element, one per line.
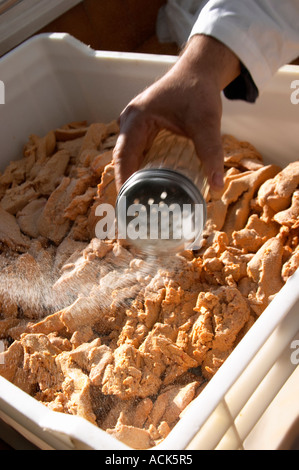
<point>264,34</point>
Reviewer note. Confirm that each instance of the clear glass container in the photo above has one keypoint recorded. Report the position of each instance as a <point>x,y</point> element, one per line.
<point>161,208</point>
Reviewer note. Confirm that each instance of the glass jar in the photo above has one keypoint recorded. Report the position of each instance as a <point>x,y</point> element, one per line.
<point>161,208</point>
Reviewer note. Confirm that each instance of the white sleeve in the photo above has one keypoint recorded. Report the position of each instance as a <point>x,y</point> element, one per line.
<point>264,34</point>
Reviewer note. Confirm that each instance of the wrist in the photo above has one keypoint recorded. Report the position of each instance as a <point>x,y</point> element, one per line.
<point>205,54</point>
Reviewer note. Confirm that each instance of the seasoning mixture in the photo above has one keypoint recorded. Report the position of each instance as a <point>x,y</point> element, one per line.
<point>92,328</point>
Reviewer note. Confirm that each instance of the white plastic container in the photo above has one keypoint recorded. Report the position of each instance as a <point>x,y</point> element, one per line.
<point>53,79</point>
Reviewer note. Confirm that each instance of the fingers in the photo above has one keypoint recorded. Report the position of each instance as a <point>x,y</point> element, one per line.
<point>208,146</point>
<point>136,137</point>
<point>205,131</point>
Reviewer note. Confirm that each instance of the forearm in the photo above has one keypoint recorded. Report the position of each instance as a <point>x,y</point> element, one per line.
<point>205,54</point>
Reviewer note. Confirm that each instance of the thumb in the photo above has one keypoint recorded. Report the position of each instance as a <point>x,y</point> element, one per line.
<point>125,158</point>
<point>135,138</point>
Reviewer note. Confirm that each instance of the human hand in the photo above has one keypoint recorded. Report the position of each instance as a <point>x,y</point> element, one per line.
<point>186,101</point>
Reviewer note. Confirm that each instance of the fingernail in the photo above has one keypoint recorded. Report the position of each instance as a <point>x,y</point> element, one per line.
<point>217,180</point>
